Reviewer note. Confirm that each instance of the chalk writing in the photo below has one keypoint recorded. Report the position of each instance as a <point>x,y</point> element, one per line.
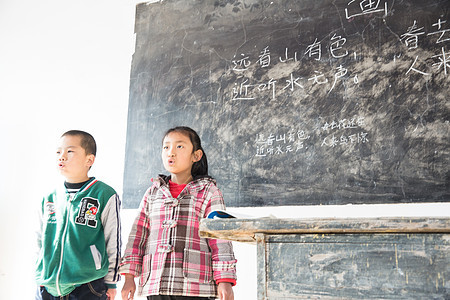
<point>287,58</point>
<point>412,68</point>
<point>268,144</point>
<point>241,92</point>
<point>444,32</point>
<point>264,58</point>
<point>345,140</point>
<point>341,72</point>
<point>440,61</point>
<point>338,135</point>
<point>354,122</point>
<point>336,46</point>
<point>411,37</point>
<point>318,78</point>
<point>246,89</point>
<point>314,50</point>
<point>360,8</point>
<point>342,132</point>
<point>444,60</point>
<point>293,83</point>
<point>241,64</point>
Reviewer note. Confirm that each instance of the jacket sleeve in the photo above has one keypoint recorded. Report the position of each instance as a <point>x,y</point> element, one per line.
<point>111,227</point>
<point>135,250</point>
<point>222,255</point>
<point>38,222</point>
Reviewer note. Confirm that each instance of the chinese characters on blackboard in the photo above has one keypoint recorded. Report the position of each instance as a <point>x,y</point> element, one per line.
<point>282,143</point>
<point>441,60</point>
<point>345,132</point>
<point>365,7</point>
<point>245,89</point>
<point>335,133</point>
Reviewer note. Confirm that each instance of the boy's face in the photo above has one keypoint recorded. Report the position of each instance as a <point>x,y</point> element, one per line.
<point>72,161</point>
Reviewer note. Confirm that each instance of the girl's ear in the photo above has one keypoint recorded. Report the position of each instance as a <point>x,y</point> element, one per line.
<point>198,155</point>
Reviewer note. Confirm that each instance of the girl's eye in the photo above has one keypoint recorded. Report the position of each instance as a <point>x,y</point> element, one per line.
<point>165,147</point>
<point>179,146</point>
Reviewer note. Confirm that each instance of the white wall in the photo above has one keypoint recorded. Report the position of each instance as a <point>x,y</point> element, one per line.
<point>65,65</point>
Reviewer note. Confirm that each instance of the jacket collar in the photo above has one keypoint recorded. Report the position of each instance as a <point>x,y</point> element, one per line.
<point>195,185</point>
<point>86,186</point>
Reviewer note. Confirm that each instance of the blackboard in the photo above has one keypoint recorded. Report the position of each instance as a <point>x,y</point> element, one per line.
<point>297,102</point>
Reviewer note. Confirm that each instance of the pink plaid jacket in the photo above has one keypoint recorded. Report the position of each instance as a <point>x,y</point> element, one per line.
<point>164,247</point>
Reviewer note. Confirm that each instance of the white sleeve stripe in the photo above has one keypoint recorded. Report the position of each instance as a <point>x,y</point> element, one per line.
<point>112,231</point>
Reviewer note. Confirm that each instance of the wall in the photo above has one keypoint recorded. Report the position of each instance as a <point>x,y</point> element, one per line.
<point>65,65</point>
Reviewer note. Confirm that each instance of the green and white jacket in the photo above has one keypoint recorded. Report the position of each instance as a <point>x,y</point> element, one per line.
<point>79,239</point>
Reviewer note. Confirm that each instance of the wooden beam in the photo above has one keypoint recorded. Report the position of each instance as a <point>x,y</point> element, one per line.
<point>244,230</point>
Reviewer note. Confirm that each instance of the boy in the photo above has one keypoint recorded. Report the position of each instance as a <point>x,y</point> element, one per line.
<point>80,228</point>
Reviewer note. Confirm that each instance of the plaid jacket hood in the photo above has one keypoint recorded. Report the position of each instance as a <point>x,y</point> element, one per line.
<point>164,247</point>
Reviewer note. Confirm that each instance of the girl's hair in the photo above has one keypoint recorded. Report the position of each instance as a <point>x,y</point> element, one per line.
<point>199,168</point>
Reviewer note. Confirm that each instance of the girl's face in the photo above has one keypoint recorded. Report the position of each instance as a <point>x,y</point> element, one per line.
<point>178,155</point>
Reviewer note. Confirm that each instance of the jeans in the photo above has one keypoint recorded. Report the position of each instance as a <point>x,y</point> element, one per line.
<point>94,290</point>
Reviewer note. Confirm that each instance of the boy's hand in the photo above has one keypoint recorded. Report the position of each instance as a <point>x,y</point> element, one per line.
<point>129,287</point>
<point>111,294</point>
<point>225,290</point>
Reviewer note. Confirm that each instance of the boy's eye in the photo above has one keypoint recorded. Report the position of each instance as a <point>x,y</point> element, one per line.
<point>180,146</point>
<point>165,147</point>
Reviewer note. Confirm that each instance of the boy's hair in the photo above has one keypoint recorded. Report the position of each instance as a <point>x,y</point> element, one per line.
<point>87,141</point>
<point>199,168</point>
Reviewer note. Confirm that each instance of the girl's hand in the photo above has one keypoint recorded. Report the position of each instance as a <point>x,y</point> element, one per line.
<point>128,288</point>
<point>225,291</point>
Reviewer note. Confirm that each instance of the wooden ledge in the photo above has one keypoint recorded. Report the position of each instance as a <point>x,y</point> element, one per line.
<point>244,230</point>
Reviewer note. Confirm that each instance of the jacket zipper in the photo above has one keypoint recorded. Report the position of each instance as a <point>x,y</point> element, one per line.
<point>62,244</point>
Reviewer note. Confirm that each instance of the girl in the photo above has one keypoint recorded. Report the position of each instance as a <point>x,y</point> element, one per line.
<point>164,247</point>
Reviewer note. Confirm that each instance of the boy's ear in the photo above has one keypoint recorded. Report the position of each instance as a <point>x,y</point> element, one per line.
<point>198,155</point>
<point>90,158</point>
